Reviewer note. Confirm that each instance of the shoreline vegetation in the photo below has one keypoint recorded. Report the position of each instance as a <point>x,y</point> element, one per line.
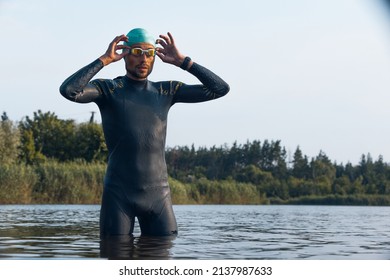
<point>82,183</point>
<point>41,164</point>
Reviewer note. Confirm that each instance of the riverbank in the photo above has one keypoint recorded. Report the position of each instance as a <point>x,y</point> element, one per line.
<point>340,200</point>
<point>82,183</point>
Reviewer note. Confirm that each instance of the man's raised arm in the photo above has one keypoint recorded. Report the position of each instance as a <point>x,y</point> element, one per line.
<point>212,85</point>
<point>77,87</point>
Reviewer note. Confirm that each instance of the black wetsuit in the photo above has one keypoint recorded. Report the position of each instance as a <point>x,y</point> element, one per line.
<point>134,117</point>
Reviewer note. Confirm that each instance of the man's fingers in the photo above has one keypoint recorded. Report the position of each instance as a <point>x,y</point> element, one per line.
<point>120,38</point>
<point>166,38</point>
<point>161,56</point>
<point>171,38</point>
<point>160,50</point>
<point>161,42</point>
<point>119,47</point>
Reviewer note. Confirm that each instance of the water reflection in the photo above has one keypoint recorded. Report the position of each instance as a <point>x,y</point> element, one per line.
<point>205,232</point>
<point>142,247</point>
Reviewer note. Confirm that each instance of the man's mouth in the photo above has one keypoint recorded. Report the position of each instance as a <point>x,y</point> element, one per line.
<point>143,67</point>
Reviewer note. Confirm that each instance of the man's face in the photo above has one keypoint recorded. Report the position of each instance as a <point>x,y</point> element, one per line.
<point>138,67</point>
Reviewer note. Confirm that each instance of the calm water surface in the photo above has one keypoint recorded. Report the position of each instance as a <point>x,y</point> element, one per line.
<point>205,232</point>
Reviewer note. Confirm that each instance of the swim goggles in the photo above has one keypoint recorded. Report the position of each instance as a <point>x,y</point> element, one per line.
<point>140,52</point>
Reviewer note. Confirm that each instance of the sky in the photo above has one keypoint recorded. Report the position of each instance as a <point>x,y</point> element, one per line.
<point>310,73</point>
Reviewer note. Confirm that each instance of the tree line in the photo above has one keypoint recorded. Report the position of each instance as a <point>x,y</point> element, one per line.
<point>252,172</point>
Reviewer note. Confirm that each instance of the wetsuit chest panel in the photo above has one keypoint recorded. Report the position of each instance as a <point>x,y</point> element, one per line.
<point>134,120</point>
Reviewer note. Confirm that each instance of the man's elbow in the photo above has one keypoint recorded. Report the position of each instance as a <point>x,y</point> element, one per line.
<point>226,89</point>
<point>223,90</point>
<point>63,89</point>
<point>67,91</point>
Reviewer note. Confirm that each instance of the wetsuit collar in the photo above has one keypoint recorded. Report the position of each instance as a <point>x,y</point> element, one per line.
<point>136,82</point>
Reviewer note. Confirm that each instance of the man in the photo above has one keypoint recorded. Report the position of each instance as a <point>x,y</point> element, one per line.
<point>134,116</point>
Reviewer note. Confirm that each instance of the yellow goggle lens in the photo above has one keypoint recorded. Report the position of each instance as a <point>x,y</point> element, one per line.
<point>139,52</point>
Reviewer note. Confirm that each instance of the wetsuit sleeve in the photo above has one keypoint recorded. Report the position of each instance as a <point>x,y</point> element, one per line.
<point>212,87</point>
<point>78,88</point>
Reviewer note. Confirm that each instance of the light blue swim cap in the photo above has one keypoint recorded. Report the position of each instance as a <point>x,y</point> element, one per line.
<point>139,35</point>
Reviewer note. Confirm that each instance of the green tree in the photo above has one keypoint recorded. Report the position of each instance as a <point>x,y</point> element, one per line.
<point>322,167</point>
<point>382,176</point>
<point>52,137</point>
<point>323,174</point>
<point>89,142</point>
<point>341,185</point>
<point>301,168</point>
<point>253,174</point>
<point>234,160</point>
<point>28,152</point>
<point>9,141</point>
<point>366,167</point>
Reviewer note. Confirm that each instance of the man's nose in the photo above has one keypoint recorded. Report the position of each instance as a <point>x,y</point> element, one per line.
<point>144,56</point>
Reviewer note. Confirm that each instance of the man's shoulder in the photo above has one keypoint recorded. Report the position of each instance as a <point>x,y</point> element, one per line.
<point>116,81</point>
<point>109,84</point>
<point>168,87</point>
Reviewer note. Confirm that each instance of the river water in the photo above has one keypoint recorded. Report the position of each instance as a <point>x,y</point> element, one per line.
<point>216,232</point>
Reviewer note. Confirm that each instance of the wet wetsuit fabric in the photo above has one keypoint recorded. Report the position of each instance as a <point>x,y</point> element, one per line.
<point>134,118</point>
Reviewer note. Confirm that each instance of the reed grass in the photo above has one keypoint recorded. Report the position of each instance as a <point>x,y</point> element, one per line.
<point>350,200</point>
<point>16,184</point>
<point>79,182</point>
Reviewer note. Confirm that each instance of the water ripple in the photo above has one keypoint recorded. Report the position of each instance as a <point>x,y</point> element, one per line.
<point>205,232</point>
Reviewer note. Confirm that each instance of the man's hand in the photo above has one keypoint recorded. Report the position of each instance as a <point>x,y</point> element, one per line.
<point>111,54</point>
<point>169,52</point>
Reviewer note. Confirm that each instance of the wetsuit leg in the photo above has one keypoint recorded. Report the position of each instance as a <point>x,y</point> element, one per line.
<point>116,216</point>
<point>155,215</point>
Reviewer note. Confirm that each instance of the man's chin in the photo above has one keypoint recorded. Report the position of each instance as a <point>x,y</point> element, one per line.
<point>142,74</point>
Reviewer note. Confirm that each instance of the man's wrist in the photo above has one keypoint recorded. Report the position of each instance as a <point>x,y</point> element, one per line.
<point>104,60</point>
<point>187,62</point>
